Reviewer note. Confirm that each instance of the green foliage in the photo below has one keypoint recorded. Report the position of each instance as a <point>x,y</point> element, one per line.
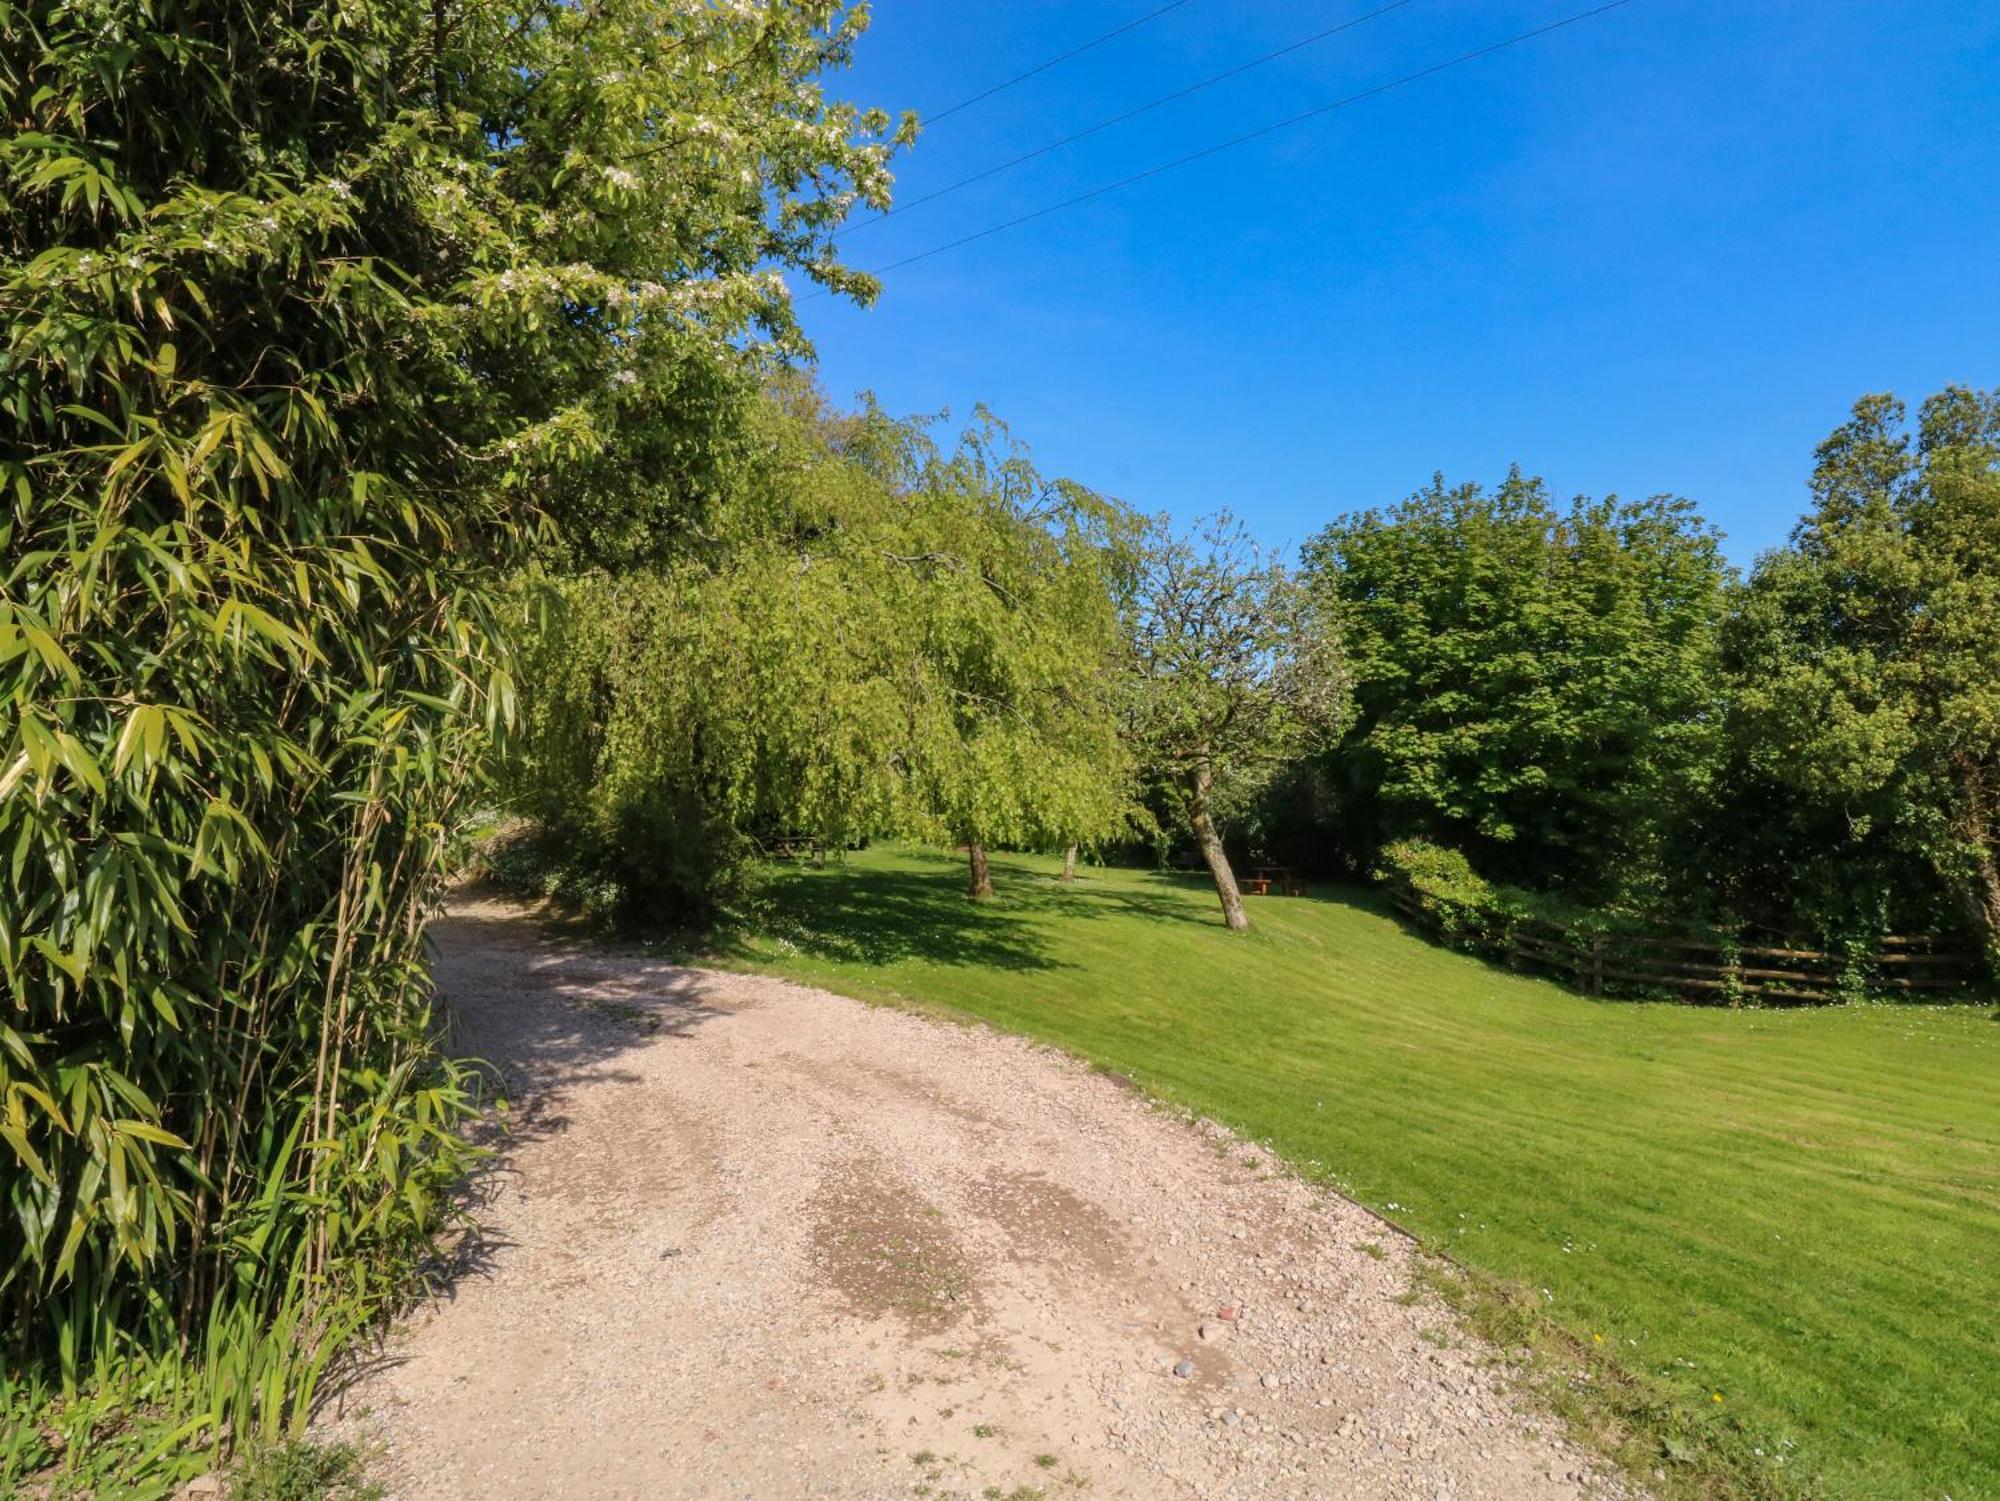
<point>1235,671</point>
<point>1485,916</point>
<point>1866,659</point>
<point>875,636</point>
<point>1794,1209</point>
<point>316,318</point>
<point>304,1472</point>
<point>1458,899</point>
<point>1536,686</point>
<point>1433,870</point>
<point>138,1422</point>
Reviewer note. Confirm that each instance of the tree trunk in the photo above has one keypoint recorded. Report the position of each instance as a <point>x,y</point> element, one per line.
<point>1981,827</point>
<point>982,877</point>
<point>1217,857</point>
<point>1989,910</point>
<point>1069,864</point>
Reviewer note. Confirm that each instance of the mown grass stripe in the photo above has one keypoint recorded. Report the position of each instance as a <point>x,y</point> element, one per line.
<point>1798,1210</point>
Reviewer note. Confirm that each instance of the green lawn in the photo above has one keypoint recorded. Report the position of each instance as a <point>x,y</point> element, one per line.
<point>1798,1211</point>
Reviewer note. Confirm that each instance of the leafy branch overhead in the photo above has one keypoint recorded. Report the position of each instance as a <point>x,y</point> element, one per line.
<point>318,320</point>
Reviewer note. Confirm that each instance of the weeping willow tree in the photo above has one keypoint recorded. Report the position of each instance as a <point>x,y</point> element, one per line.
<point>881,637</point>
<point>318,318</point>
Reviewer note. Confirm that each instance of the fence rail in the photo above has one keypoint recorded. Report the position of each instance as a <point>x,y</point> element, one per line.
<point>1711,968</point>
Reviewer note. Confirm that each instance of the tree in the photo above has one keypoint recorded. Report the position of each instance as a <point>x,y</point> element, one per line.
<point>318,317</point>
<point>1867,653</point>
<point>877,638</point>
<point>1536,686</point>
<point>1235,671</point>
<point>1023,646</point>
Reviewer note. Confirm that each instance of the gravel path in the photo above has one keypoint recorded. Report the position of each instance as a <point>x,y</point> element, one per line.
<point>753,1240</point>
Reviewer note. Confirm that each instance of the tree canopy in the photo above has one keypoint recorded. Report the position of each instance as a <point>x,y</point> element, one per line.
<point>316,318</point>
<point>1867,660</point>
<point>879,637</point>
<point>1534,684</point>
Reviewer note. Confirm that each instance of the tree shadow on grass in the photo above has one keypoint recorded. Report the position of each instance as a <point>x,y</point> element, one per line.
<point>864,915</point>
<point>876,917</point>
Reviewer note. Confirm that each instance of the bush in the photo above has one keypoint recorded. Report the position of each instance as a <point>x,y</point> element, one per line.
<point>246,670</point>
<point>1463,905</point>
<point>318,320</point>
<point>1471,912</point>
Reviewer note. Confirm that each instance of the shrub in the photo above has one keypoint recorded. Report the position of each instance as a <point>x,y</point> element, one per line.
<point>315,320</point>
<point>1461,903</point>
<point>1470,911</point>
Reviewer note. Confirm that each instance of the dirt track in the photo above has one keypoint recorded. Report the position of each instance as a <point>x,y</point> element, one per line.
<point>753,1240</point>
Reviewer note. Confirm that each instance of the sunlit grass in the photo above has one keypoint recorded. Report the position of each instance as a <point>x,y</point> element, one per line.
<point>1797,1212</point>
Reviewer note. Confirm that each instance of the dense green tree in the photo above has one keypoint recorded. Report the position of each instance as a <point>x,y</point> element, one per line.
<point>1866,659</point>
<point>316,317</point>
<point>877,638</point>
<point>1023,646</point>
<point>1235,671</point>
<point>1534,685</point>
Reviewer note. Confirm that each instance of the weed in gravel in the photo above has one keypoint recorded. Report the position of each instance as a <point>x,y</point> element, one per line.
<point>303,1471</point>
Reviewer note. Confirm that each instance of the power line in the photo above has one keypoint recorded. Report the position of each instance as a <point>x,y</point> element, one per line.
<point>1043,67</point>
<point>1248,136</point>
<point>1130,114</point>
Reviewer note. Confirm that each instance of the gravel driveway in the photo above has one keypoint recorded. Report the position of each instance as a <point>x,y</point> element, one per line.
<point>748,1239</point>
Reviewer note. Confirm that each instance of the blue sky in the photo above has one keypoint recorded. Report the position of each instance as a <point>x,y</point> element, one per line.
<point>1661,250</point>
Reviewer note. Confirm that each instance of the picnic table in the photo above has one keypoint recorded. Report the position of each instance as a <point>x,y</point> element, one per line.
<point>1264,877</point>
<point>796,847</point>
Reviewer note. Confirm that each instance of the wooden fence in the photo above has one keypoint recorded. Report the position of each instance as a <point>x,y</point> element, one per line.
<point>1712,969</point>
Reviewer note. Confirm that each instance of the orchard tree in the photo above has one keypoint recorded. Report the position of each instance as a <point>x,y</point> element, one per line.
<point>1235,671</point>
<point>1867,653</point>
